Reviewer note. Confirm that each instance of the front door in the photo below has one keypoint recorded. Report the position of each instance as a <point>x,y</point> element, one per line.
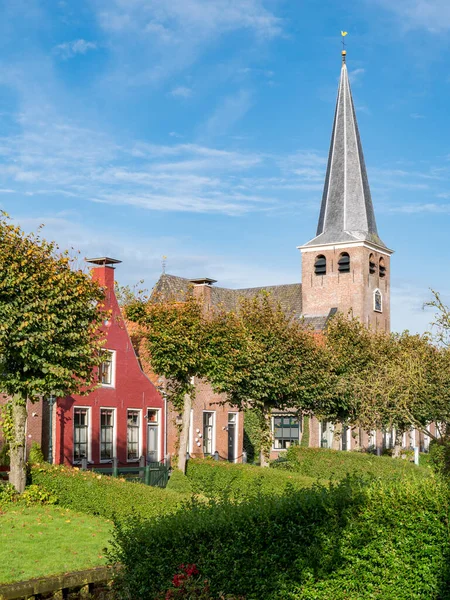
<point>232,433</point>
<point>152,435</point>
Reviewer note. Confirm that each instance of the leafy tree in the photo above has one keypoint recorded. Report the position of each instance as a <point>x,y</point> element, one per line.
<point>128,295</point>
<point>441,321</point>
<point>50,338</point>
<point>386,381</point>
<point>263,360</point>
<point>354,352</point>
<point>176,340</point>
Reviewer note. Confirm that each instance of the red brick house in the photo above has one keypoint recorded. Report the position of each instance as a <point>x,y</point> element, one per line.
<point>125,416</point>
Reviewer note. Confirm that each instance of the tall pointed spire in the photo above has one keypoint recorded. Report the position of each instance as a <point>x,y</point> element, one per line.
<point>346,213</point>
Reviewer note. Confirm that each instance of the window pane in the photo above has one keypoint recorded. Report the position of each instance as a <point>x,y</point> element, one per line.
<point>133,434</point>
<point>106,370</point>
<point>286,431</point>
<point>80,433</point>
<point>208,419</point>
<point>106,434</point>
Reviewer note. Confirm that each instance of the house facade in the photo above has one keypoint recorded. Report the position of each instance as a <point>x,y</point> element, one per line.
<point>125,417</point>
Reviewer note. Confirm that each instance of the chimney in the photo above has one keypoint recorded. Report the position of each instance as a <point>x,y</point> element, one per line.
<point>103,271</point>
<point>202,289</point>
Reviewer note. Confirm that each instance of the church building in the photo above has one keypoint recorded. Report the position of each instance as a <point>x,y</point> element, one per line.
<point>345,267</point>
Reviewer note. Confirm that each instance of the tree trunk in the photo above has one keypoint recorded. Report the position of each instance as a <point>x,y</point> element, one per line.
<point>17,452</point>
<point>184,434</point>
<point>266,437</point>
<point>337,433</point>
<point>397,444</point>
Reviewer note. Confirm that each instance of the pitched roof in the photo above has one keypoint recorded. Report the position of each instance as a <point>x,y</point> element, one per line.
<point>173,288</point>
<point>346,213</point>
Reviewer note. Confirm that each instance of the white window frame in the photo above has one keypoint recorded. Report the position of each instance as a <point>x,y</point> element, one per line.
<point>372,439</point>
<point>236,445</point>
<point>349,438</point>
<point>331,432</point>
<point>89,436</point>
<point>300,430</point>
<point>426,441</point>
<point>158,423</point>
<point>213,434</point>
<point>133,460</point>
<point>107,460</point>
<point>374,301</point>
<point>111,385</point>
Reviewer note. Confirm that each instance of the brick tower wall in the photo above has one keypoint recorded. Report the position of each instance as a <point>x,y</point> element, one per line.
<point>353,291</point>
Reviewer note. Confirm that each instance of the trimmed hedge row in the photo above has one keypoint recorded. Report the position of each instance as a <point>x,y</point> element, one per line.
<point>218,479</point>
<point>102,495</point>
<point>334,464</point>
<point>354,540</point>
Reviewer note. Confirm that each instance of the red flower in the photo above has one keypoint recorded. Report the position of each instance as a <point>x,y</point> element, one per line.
<point>178,580</point>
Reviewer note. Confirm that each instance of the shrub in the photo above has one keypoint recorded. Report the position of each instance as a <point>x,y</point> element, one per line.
<point>8,493</point>
<point>252,435</point>
<point>4,455</point>
<point>335,464</point>
<point>440,456</point>
<point>354,540</point>
<point>178,482</point>
<point>35,456</point>
<point>217,479</point>
<point>34,494</point>
<point>102,495</point>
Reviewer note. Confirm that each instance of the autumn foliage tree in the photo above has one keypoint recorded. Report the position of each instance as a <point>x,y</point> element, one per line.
<point>176,339</point>
<point>264,360</point>
<point>50,337</point>
<point>385,381</point>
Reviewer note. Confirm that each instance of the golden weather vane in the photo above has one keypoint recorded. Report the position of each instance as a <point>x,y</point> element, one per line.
<point>344,51</point>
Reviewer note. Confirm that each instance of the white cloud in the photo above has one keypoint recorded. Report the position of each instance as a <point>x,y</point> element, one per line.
<point>229,112</point>
<point>356,74</point>
<point>204,17</point>
<point>71,49</point>
<point>142,255</point>
<point>171,35</point>
<point>432,15</point>
<point>181,92</point>
<point>407,300</point>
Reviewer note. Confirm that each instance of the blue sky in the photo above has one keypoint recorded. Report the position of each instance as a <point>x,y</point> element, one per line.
<point>199,129</point>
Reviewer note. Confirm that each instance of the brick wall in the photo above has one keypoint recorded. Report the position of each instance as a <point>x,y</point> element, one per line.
<point>347,291</point>
<point>207,401</point>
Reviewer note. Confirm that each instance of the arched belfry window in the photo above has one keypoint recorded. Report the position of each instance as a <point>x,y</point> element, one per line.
<point>377,301</point>
<point>320,265</point>
<point>372,264</point>
<point>382,268</point>
<point>344,263</point>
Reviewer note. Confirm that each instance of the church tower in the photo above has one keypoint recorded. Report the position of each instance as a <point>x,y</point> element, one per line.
<point>347,266</point>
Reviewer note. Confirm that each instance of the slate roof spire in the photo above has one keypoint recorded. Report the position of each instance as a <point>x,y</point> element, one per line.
<point>346,213</point>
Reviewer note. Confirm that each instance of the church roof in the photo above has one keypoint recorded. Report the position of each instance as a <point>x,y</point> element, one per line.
<point>170,288</point>
<point>346,213</point>
<point>173,288</point>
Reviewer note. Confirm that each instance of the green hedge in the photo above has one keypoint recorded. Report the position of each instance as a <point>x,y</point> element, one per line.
<point>217,479</point>
<point>178,482</point>
<point>335,464</point>
<point>103,495</point>
<point>354,541</point>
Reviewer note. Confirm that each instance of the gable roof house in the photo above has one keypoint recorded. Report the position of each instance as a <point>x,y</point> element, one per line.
<point>124,417</point>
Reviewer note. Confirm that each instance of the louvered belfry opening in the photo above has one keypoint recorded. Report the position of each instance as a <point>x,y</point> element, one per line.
<point>372,265</point>
<point>382,268</point>
<point>320,265</point>
<point>344,263</point>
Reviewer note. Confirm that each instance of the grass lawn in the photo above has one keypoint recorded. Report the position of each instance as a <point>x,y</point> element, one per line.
<point>47,540</point>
